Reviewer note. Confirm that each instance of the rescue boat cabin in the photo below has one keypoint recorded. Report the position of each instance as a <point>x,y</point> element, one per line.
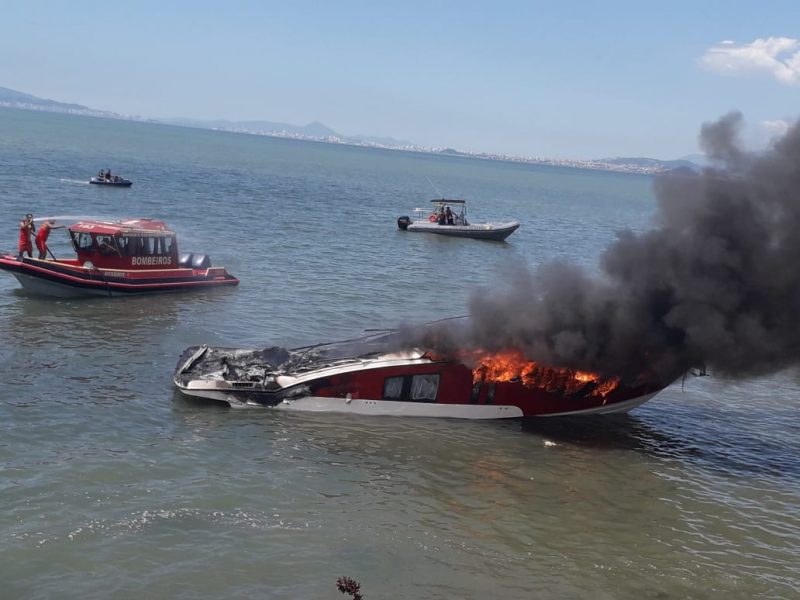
<point>126,245</point>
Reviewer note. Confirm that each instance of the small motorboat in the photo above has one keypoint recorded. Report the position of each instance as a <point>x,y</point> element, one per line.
<point>449,217</point>
<point>106,178</point>
<point>117,258</point>
<point>372,377</point>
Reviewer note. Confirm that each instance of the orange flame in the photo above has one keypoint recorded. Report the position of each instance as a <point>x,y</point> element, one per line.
<point>512,365</point>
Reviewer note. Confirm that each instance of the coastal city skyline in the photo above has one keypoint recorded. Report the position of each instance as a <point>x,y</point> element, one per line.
<point>517,79</point>
<point>318,132</point>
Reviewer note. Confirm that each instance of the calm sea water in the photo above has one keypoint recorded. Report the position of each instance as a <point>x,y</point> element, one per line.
<point>112,485</point>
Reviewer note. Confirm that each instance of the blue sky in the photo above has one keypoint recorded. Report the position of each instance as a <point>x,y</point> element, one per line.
<point>557,80</point>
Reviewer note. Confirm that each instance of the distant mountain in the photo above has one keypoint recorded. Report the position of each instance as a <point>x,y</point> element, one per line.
<point>649,164</point>
<point>380,141</point>
<point>15,99</point>
<point>701,160</point>
<point>312,130</point>
<point>318,132</point>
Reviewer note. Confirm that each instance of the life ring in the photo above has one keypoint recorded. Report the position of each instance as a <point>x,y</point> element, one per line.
<point>433,218</point>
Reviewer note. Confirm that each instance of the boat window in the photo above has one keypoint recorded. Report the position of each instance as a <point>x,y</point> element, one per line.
<point>106,244</point>
<point>424,387</point>
<point>145,245</point>
<point>393,388</point>
<point>490,394</point>
<point>154,246</point>
<point>158,246</point>
<point>476,393</point>
<point>82,241</point>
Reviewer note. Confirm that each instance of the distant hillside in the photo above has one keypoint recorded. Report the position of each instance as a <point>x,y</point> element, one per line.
<point>651,164</point>
<point>12,97</point>
<point>312,130</point>
<point>701,160</point>
<point>380,141</point>
<point>318,132</point>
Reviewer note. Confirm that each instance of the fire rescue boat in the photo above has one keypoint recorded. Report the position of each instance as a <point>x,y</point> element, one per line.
<point>117,258</point>
<point>366,377</point>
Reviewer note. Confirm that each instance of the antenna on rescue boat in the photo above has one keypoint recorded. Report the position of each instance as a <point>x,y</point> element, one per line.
<point>435,189</point>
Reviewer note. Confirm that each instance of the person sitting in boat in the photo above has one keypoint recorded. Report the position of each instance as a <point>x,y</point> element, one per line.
<point>448,216</point>
<point>26,229</point>
<point>105,246</point>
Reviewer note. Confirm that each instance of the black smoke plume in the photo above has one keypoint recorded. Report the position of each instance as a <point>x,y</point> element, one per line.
<point>716,281</point>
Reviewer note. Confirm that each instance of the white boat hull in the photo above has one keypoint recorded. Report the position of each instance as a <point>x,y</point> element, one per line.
<point>483,231</point>
<point>390,408</point>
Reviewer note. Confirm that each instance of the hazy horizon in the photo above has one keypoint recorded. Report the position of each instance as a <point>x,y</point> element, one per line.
<point>524,79</point>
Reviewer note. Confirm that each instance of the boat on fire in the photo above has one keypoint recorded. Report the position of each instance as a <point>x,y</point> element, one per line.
<point>449,217</point>
<point>117,258</point>
<point>369,377</point>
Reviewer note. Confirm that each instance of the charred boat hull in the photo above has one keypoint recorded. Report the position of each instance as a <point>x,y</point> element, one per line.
<point>406,383</point>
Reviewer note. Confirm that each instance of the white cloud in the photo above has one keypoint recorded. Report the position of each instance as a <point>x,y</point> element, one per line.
<point>762,135</point>
<point>775,129</point>
<point>775,56</point>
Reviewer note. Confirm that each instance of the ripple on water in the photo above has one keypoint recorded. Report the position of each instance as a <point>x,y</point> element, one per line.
<point>115,486</point>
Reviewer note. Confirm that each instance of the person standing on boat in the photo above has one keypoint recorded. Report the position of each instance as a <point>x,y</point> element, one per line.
<point>41,238</point>
<point>26,229</point>
<point>448,216</point>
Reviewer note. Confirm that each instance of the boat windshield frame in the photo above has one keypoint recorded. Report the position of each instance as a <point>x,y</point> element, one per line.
<point>136,243</point>
<point>459,208</point>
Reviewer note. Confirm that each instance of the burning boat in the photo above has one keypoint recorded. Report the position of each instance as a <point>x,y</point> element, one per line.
<point>117,258</point>
<point>367,377</point>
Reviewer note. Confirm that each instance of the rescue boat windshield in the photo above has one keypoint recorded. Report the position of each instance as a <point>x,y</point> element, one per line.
<point>146,245</point>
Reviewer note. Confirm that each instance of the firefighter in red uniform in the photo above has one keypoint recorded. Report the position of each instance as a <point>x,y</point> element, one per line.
<point>41,238</point>
<point>26,228</point>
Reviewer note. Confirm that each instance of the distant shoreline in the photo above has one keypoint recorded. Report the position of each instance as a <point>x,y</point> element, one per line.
<point>595,165</point>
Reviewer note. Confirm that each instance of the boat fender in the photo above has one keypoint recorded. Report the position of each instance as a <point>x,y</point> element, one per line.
<point>201,261</point>
<point>88,265</point>
<point>403,222</point>
<point>433,218</point>
<point>185,260</point>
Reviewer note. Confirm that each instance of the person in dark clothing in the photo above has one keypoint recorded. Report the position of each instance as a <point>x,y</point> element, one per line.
<point>448,216</point>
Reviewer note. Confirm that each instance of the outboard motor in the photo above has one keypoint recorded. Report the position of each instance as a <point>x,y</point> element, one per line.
<point>403,222</point>
<point>185,260</point>
<point>201,261</point>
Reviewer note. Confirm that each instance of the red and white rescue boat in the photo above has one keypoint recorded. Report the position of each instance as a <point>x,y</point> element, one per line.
<point>118,258</point>
<point>363,379</point>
